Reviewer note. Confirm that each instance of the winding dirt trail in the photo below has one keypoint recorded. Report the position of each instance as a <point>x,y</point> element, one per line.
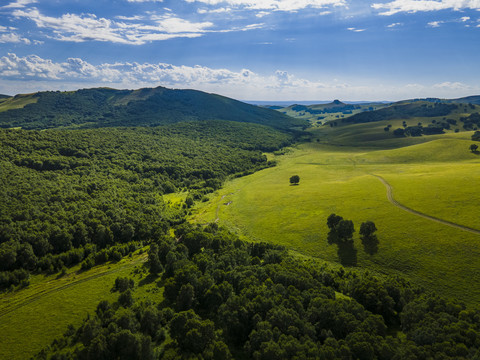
<point>418,213</point>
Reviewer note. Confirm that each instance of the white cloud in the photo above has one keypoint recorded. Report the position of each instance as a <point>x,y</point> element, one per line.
<point>412,6</point>
<point>215,11</point>
<point>394,25</point>
<point>144,1</point>
<point>280,5</point>
<point>465,18</point>
<point>457,86</point>
<point>13,38</point>
<point>355,29</point>
<point>88,27</point>
<point>435,24</point>
<point>19,4</point>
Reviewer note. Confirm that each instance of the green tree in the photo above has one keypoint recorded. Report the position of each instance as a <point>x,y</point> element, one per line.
<point>294,180</point>
<point>473,148</point>
<point>153,260</point>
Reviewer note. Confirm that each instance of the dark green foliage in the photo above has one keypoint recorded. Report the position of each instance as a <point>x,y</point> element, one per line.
<point>473,148</point>
<point>226,304</point>
<point>123,284</point>
<point>67,191</point>
<point>104,107</point>
<point>476,136</point>
<point>399,132</point>
<point>294,180</point>
<point>471,122</point>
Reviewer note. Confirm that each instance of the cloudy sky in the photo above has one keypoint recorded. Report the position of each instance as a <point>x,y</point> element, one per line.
<point>245,49</point>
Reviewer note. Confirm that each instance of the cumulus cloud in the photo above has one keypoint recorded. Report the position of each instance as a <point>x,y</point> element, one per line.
<point>13,38</point>
<point>394,25</point>
<point>8,35</point>
<point>279,5</point>
<point>413,6</point>
<point>33,73</point>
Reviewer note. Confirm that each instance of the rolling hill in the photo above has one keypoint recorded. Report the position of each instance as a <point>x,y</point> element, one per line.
<point>104,107</point>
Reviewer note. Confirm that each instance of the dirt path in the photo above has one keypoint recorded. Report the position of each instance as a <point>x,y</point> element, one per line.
<point>34,297</point>
<point>418,213</point>
<point>220,205</point>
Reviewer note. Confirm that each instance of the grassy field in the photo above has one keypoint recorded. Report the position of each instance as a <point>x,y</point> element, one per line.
<point>16,102</point>
<point>437,177</point>
<point>32,317</point>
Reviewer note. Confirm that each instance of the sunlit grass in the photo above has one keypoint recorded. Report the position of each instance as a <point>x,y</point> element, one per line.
<point>32,317</point>
<point>437,178</point>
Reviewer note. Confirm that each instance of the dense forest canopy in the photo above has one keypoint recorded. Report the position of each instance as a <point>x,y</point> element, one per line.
<point>69,194</point>
<point>224,298</point>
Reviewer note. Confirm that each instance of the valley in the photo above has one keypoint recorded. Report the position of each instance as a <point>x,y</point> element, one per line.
<point>121,241</point>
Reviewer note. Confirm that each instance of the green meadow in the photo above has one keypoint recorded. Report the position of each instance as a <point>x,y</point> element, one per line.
<point>436,175</point>
<point>33,317</point>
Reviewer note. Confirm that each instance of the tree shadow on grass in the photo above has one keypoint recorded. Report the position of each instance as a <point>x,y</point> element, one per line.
<point>347,253</point>
<point>150,278</point>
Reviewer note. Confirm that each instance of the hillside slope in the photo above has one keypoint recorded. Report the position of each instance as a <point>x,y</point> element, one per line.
<point>102,107</point>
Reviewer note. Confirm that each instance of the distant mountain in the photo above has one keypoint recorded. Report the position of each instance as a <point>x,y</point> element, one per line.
<point>104,107</point>
<point>4,96</point>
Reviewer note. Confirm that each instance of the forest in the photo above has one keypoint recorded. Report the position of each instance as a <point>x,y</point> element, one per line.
<point>224,298</point>
<point>88,196</point>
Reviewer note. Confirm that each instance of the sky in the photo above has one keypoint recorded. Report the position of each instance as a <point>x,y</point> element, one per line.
<point>256,50</point>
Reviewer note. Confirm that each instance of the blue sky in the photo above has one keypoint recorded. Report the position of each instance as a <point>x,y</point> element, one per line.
<point>245,49</point>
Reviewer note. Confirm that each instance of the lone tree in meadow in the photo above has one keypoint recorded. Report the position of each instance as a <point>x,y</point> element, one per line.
<point>473,148</point>
<point>368,237</point>
<point>294,180</point>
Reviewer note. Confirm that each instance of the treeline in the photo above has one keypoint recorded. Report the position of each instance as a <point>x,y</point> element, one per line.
<point>224,298</point>
<point>81,196</point>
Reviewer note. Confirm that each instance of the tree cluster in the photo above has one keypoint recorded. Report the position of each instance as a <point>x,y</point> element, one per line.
<point>341,233</point>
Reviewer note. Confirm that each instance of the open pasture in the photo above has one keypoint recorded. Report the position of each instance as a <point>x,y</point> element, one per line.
<point>436,177</point>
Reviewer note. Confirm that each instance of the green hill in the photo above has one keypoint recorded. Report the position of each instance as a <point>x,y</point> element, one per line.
<point>403,111</point>
<point>103,107</point>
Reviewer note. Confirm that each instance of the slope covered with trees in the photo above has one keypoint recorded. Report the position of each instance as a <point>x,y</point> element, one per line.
<point>90,196</point>
<point>224,298</point>
<point>103,107</point>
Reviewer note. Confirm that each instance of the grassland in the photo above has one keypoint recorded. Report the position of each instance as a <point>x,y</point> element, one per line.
<point>32,317</point>
<point>436,175</point>
<point>16,102</point>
